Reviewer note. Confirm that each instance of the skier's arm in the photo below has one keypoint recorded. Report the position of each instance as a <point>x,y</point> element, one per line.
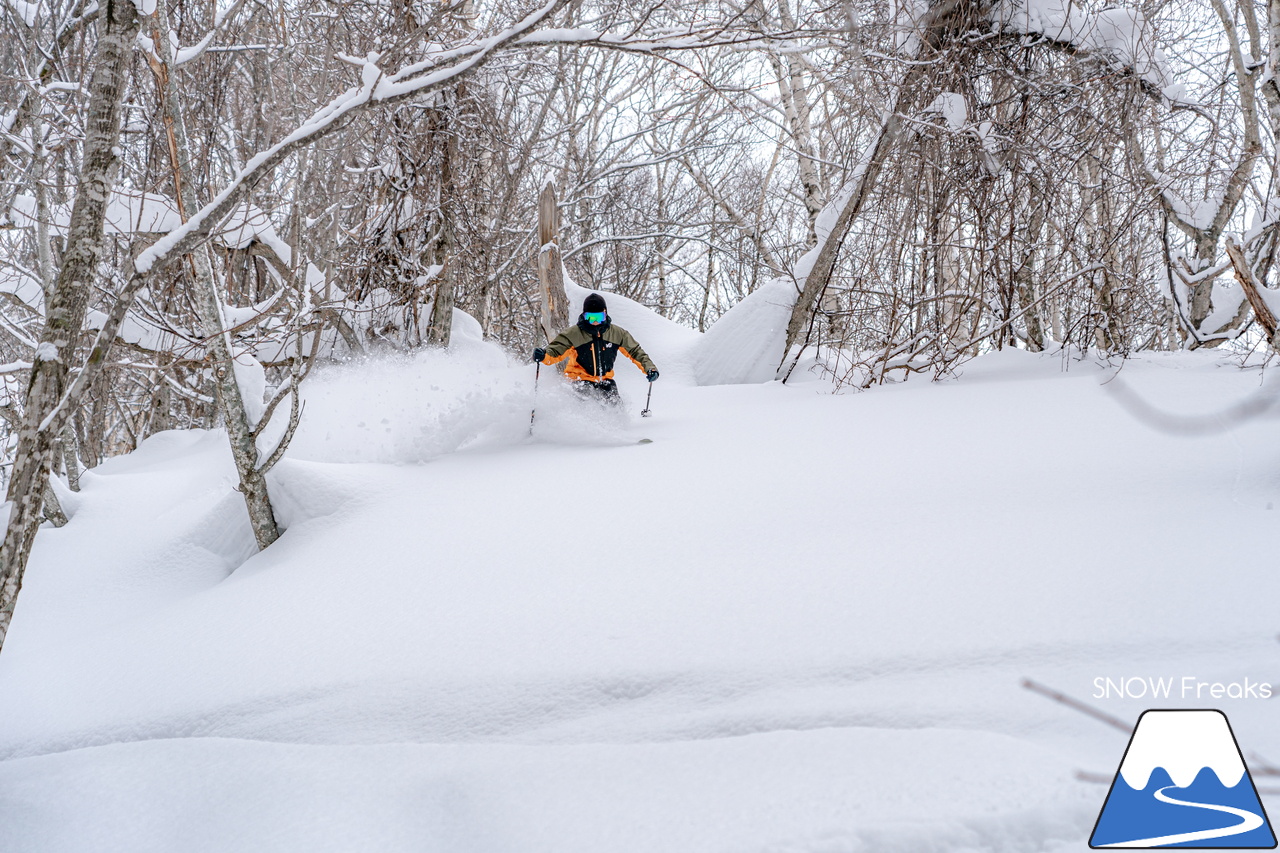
<point>631,348</point>
<point>558,349</point>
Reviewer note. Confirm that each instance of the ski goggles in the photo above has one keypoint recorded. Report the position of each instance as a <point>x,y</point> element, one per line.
<point>595,318</point>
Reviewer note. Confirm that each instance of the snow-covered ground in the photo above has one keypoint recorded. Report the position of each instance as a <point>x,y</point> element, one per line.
<point>796,621</point>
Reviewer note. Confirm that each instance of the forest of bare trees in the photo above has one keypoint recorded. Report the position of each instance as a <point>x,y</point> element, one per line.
<point>202,200</point>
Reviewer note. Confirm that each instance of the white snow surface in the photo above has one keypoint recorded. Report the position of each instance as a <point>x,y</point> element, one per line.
<point>138,328</point>
<point>1227,296</point>
<point>23,286</point>
<point>1198,213</point>
<point>28,12</point>
<point>745,345</point>
<point>128,211</point>
<point>251,376</point>
<point>1183,743</point>
<point>132,211</point>
<point>953,109</point>
<point>183,55</point>
<point>796,621</point>
<point>247,223</point>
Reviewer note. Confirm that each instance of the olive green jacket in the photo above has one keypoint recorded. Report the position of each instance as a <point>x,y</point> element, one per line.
<point>592,350</point>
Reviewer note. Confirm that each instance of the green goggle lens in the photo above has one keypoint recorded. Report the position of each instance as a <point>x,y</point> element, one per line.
<point>595,318</point>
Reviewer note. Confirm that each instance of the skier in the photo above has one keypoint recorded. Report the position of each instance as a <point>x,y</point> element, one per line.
<point>591,347</point>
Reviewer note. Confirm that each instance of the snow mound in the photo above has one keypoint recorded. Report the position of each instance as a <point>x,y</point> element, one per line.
<point>806,792</point>
<point>745,345</point>
<point>564,648</point>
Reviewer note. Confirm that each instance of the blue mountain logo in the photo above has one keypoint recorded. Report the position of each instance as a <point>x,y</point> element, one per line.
<point>1183,783</point>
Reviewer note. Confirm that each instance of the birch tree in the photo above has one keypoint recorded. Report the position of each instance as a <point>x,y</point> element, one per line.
<point>67,303</point>
<point>241,431</point>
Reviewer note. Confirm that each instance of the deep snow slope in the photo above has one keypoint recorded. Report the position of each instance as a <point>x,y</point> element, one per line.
<point>796,621</point>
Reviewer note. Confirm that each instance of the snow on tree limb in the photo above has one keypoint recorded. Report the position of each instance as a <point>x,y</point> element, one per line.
<point>1119,34</point>
<point>378,88</point>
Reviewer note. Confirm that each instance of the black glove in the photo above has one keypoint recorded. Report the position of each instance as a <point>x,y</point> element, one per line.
<point>652,374</point>
<point>539,354</point>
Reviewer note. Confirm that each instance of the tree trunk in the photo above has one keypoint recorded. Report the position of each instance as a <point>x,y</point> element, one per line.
<point>708,286</point>
<point>555,302</point>
<point>1024,275</point>
<point>1253,292</point>
<point>1207,237</point>
<point>74,19</point>
<point>795,97</point>
<point>502,212</point>
<point>208,303</point>
<point>660,243</point>
<point>818,275</point>
<point>441,321</point>
<point>71,457</point>
<point>65,310</point>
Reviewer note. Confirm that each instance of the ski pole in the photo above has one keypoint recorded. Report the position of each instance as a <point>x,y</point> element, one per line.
<point>537,371</point>
<point>646,413</point>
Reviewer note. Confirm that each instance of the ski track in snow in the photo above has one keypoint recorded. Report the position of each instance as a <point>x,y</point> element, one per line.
<point>641,706</point>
